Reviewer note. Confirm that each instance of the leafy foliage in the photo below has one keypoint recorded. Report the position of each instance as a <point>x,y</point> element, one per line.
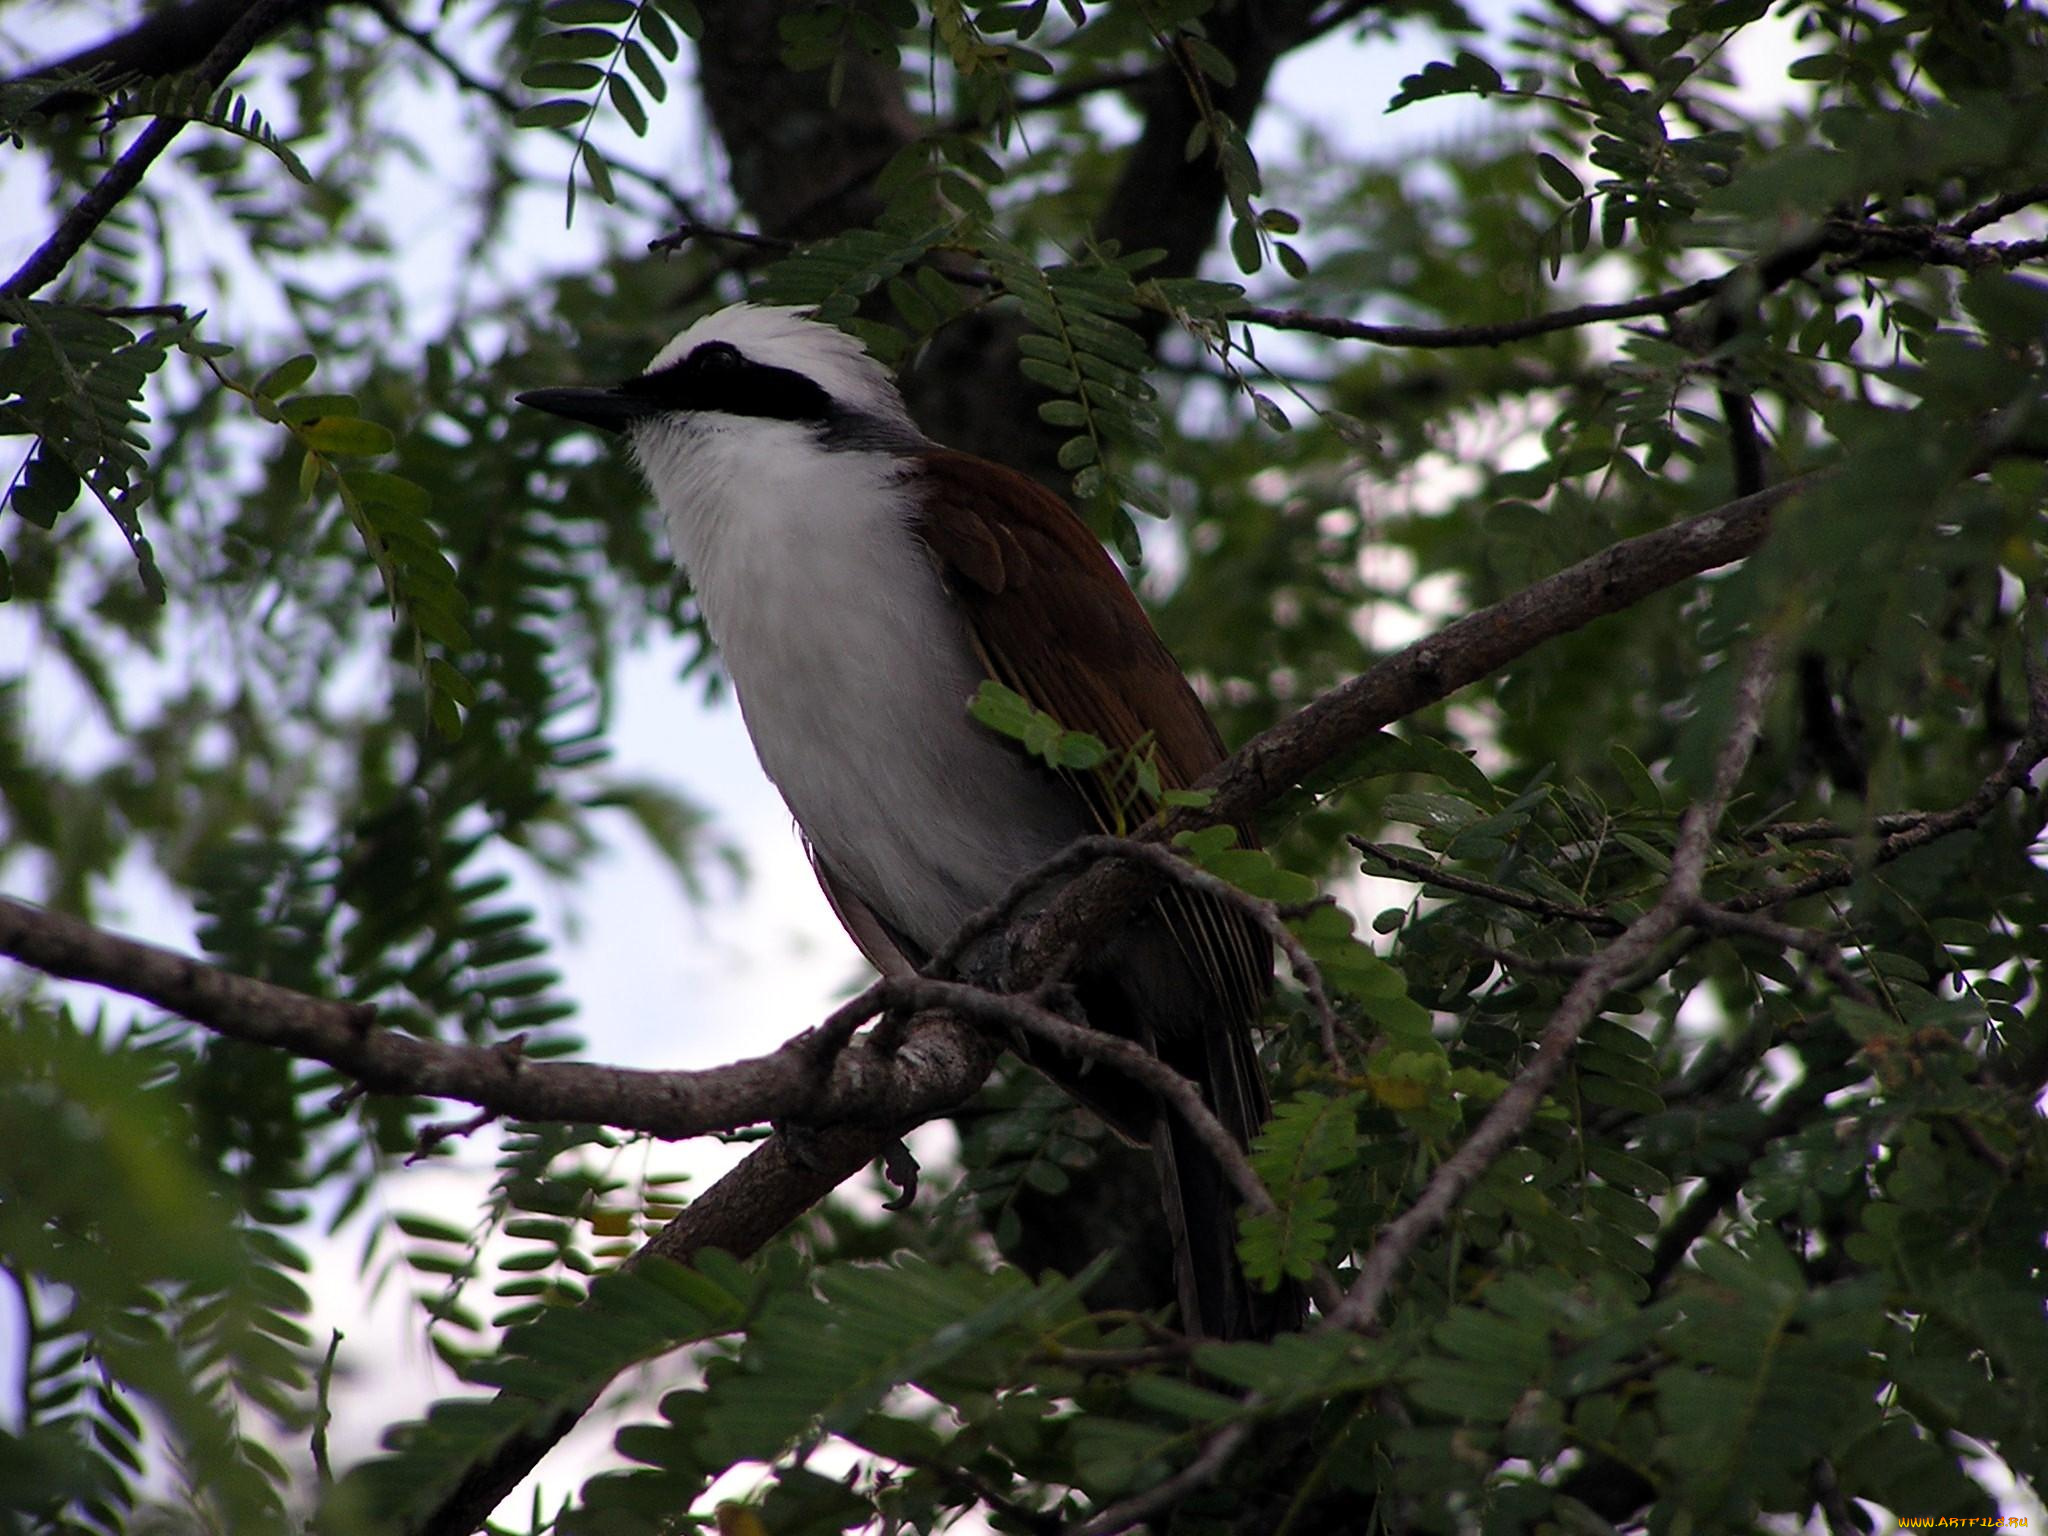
<point>76,379</point>
<point>1769,1254</point>
<point>606,48</point>
<point>1088,357</point>
<point>144,1289</point>
<point>224,111</point>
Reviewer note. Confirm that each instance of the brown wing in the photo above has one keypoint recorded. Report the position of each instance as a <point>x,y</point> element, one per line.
<point>1039,591</point>
<point>1188,979</point>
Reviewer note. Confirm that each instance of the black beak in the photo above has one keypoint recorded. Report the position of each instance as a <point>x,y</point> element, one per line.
<point>611,409</point>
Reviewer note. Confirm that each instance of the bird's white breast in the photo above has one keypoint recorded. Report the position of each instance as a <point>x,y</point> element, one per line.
<point>853,668</point>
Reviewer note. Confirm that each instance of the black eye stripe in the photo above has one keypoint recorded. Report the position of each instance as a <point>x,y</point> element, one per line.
<point>717,376</point>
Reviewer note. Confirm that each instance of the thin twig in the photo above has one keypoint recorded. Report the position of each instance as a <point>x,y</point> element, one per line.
<point>1173,1352</point>
<point>1848,242</point>
<point>1164,861</point>
<point>323,1412</point>
<point>1792,1111</point>
<point>1180,1094</point>
<point>509,105</point>
<point>1514,1109</point>
<point>1921,828</point>
<point>1821,831</point>
<point>2004,206</point>
<point>1535,965</point>
<point>1464,885</point>
<point>1203,1469</point>
<point>971,1483</point>
<point>696,229</point>
<point>1340,328</point>
<point>1822,949</point>
<point>434,1132</point>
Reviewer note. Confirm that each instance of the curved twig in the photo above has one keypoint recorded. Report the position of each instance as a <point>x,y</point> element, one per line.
<point>1512,1111</point>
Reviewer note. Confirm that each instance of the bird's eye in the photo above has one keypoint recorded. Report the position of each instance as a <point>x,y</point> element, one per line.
<point>715,357</point>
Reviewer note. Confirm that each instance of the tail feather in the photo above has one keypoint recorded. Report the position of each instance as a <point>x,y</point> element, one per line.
<point>1145,990</point>
<point>1217,1298</point>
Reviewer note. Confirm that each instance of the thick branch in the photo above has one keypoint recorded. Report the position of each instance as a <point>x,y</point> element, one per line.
<point>932,1069</point>
<point>1480,644</point>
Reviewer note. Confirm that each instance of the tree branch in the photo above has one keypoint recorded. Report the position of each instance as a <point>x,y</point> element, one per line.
<point>796,1081</point>
<point>2004,206</point>
<point>1922,828</point>
<point>1850,242</point>
<point>1339,328</point>
<point>1428,874</point>
<point>1214,1455</point>
<point>1512,1111</point>
<point>739,1214</point>
<point>1480,644</point>
<point>121,178</point>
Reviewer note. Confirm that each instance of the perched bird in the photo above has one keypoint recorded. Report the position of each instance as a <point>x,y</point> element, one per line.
<point>861,583</point>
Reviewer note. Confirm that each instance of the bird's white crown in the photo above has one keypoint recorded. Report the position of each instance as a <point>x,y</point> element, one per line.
<point>785,336</point>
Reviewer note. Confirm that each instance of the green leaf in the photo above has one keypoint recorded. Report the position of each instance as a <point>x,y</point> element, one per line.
<point>598,171</point>
<point>1075,452</point>
<point>304,408</point>
<point>1309,1137</point>
<point>1002,710</point>
<point>1245,246</point>
<point>339,436</point>
<point>576,43</point>
<point>599,13</point>
<point>1642,788</point>
<point>564,112</point>
<point>287,377</point>
<point>559,75</point>
<point>627,105</point>
<point>1210,59</point>
<point>1560,178</point>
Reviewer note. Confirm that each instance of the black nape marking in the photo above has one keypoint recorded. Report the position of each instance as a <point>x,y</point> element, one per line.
<point>717,376</point>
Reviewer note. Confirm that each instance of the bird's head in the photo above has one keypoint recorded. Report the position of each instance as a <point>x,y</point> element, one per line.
<point>751,364</point>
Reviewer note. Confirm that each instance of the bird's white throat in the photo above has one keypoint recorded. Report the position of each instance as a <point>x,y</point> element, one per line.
<point>853,667</point>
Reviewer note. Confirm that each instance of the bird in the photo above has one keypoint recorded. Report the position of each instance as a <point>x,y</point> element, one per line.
<point>861,583</point>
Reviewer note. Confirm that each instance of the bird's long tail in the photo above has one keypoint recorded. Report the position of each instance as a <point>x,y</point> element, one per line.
<point>1217,1298</point>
